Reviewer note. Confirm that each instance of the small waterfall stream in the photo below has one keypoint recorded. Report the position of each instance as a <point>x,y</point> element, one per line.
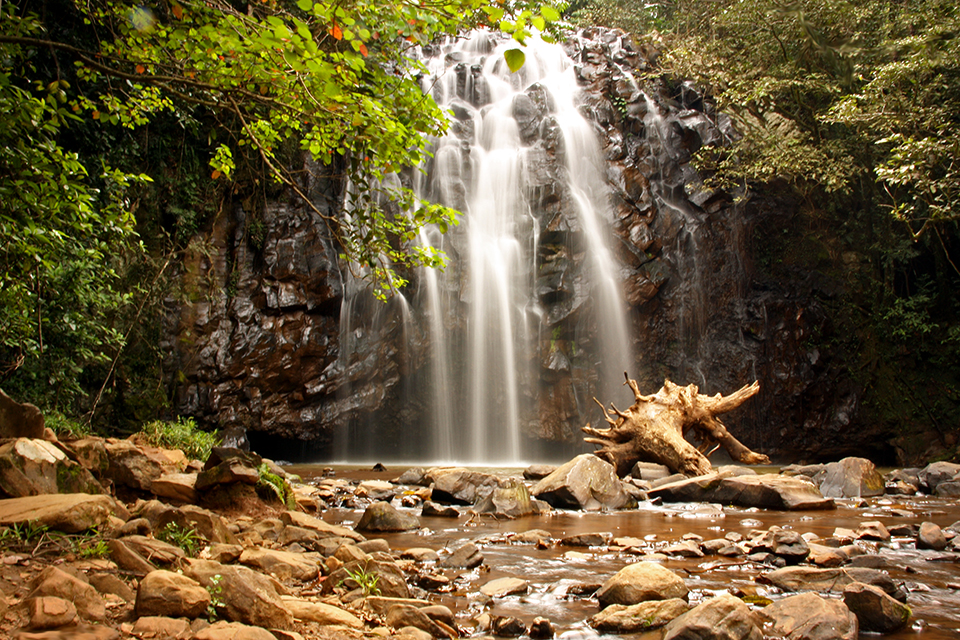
<point>532,296</point>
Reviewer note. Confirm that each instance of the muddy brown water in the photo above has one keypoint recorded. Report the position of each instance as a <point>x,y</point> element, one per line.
<point>931,578</point>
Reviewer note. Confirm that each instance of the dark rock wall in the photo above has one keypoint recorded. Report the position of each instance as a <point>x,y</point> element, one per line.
<point>256,348</point>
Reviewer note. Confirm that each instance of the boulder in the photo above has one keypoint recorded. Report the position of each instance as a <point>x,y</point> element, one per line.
<point>460,486</point>
<point>850,478</point>
<point>636,618</point>
<point>786,543</point>
<point>466,556</point>
<point>165,593</point>
<point>157,551</point>
<point>131,466</point>
<point>763,491</point>
<point>209,525</point>
<point>178,487</point>
<point>50,612</point>
<point>875,610</point>
<point>931,536</point>
<point>247,596</point>
<point>722,618</point>
<point>19,420</point>
<point>67,512</point>
<point>538,471</point>
<point>382,516</point>
<point>936,473</point>
<point>502,587</point>
<point>128,559</point>
<point>872,530</point>
<point>91,453</point>
<point>541,629</point>
<point>376,490</point>
<point>808,616</point>
<point>510,501</point>
<point>830,580</point>
<point>405,615</point>
<point>30,467</point>
<point>53,582</point>
<point>413,475</point>
<point>433,510</point>
<point>321,613</point>
<point>282,565</point>
<point>324,529</point>
<point>224,630</point>
<point>639,582</point>
<point>161,627</point>
<point>586,482</point>
<point>390,580</point>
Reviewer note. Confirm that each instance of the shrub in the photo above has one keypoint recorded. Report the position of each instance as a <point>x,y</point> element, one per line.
<point>183,434</point>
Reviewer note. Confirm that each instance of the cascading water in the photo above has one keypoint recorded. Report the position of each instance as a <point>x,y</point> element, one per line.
<point>531,298</point>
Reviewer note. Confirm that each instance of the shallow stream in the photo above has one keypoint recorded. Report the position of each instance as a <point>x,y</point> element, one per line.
<point>931,578</point>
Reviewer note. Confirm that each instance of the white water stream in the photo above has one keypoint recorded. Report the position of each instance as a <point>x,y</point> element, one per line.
<point>483,316</point>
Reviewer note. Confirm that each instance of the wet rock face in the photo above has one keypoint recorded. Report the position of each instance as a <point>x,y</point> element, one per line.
<point>256,344</point>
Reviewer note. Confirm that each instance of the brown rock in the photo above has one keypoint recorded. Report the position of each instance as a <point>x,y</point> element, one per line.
<point>128,559</point>
<point>30,467</point>
<point>808,616</point>
<point>19,420</point>
<point>171,594</point>
<point>57,583</point>
<point>248,597</point>
<point>405,615</point>
<point>79,632</point>
<point>639,582</point>
<point>321,613</point>
<point>635,618</point>
<point>875,610</point>
<point>720,618</point>
<point>161,627</point>
<point>224,630</point>
<point>107,583</point>
<point>209,525</point>
<point>49,612</point>
<point>325,529</point>
<point>68,512</point>
<point>179,487</point>
<point>931,536</point>
<point>282,565</point>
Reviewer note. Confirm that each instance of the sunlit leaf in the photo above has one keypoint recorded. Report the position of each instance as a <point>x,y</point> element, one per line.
<point>515,59</point>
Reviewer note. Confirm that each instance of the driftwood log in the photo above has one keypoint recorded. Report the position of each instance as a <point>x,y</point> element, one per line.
<point>653,429</point>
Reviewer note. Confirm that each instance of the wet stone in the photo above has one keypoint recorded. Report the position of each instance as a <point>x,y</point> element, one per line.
<point>931,536</point>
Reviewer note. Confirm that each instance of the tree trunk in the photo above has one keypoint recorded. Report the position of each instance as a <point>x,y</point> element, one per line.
<point>653,429</point>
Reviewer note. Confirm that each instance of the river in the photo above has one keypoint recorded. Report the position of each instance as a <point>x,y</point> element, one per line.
<point>932,578</point>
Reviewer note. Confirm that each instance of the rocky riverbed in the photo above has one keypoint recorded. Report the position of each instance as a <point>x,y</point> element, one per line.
<point>444,553</point>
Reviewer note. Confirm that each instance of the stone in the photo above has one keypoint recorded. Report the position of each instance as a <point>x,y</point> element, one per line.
<point>131,466</point>
<point>405,615</point>
<point>76,632</point>
<point>165,593</point>
<point>66,512</point>
<point>585,540</point>
<point>460,486</point>
<point>850,478</point>
<point>431,509</point>
<point>48,612</point>
<point>872,530</point>
<point>508,627</point>
<point>382,516</point>
<point>321,613</point>
<point>875,610</point>
<point>224,630</point>
<point>650,471</point>
<point>541,629</point>
<point>161,627</point>
<point>511,500</point>
<point>502,587</point>
<point>825,557</point>
<point>376,490</point>
<point>786,543</point>
<point>532,536</point>
<point>178,487</point>
<point>30,467</point>
<point>636,618</point>
<point>282,565</point>
<point>247,596</point>
<point>158,551</point>
<point>587,483</point>
<point>829,580</point>
<point>683,549</point>
<point>380,605</point>
<point>538,471</point>
<point>763,491</point>
<point>420,554</point>
<point>324,529</point>
<point>209,525</point>
<point>931,536</point>
<point>639,582</point>
<point>390,579</point>
<point>19,420</point>
<point>936,473</point>
<point>59,584</point>
<point>466,556</point>
<point>808,616</point>
<point>722,618</point>
<point>413,475</point>
<point>108,583</point>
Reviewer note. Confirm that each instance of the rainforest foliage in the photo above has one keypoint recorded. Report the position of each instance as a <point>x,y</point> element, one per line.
<point>855,107</point>
<point>126,126</point>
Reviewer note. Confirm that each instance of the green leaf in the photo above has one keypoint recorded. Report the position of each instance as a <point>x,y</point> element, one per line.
<point>305,5</point>
<point>549,13</point>
<point>515,59</point>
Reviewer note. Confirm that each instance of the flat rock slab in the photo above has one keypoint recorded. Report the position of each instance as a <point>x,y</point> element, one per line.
<point>618,618</point>
<point>764,491</point>
<point>67,512</point>
<point>830,580</point>
<point>811,617</point>
<point>502,587</point>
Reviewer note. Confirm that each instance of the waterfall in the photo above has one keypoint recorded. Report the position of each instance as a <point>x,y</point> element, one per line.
<point>527,320</point>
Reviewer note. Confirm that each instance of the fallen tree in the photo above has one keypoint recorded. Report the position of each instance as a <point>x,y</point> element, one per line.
<point>654,429</point>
